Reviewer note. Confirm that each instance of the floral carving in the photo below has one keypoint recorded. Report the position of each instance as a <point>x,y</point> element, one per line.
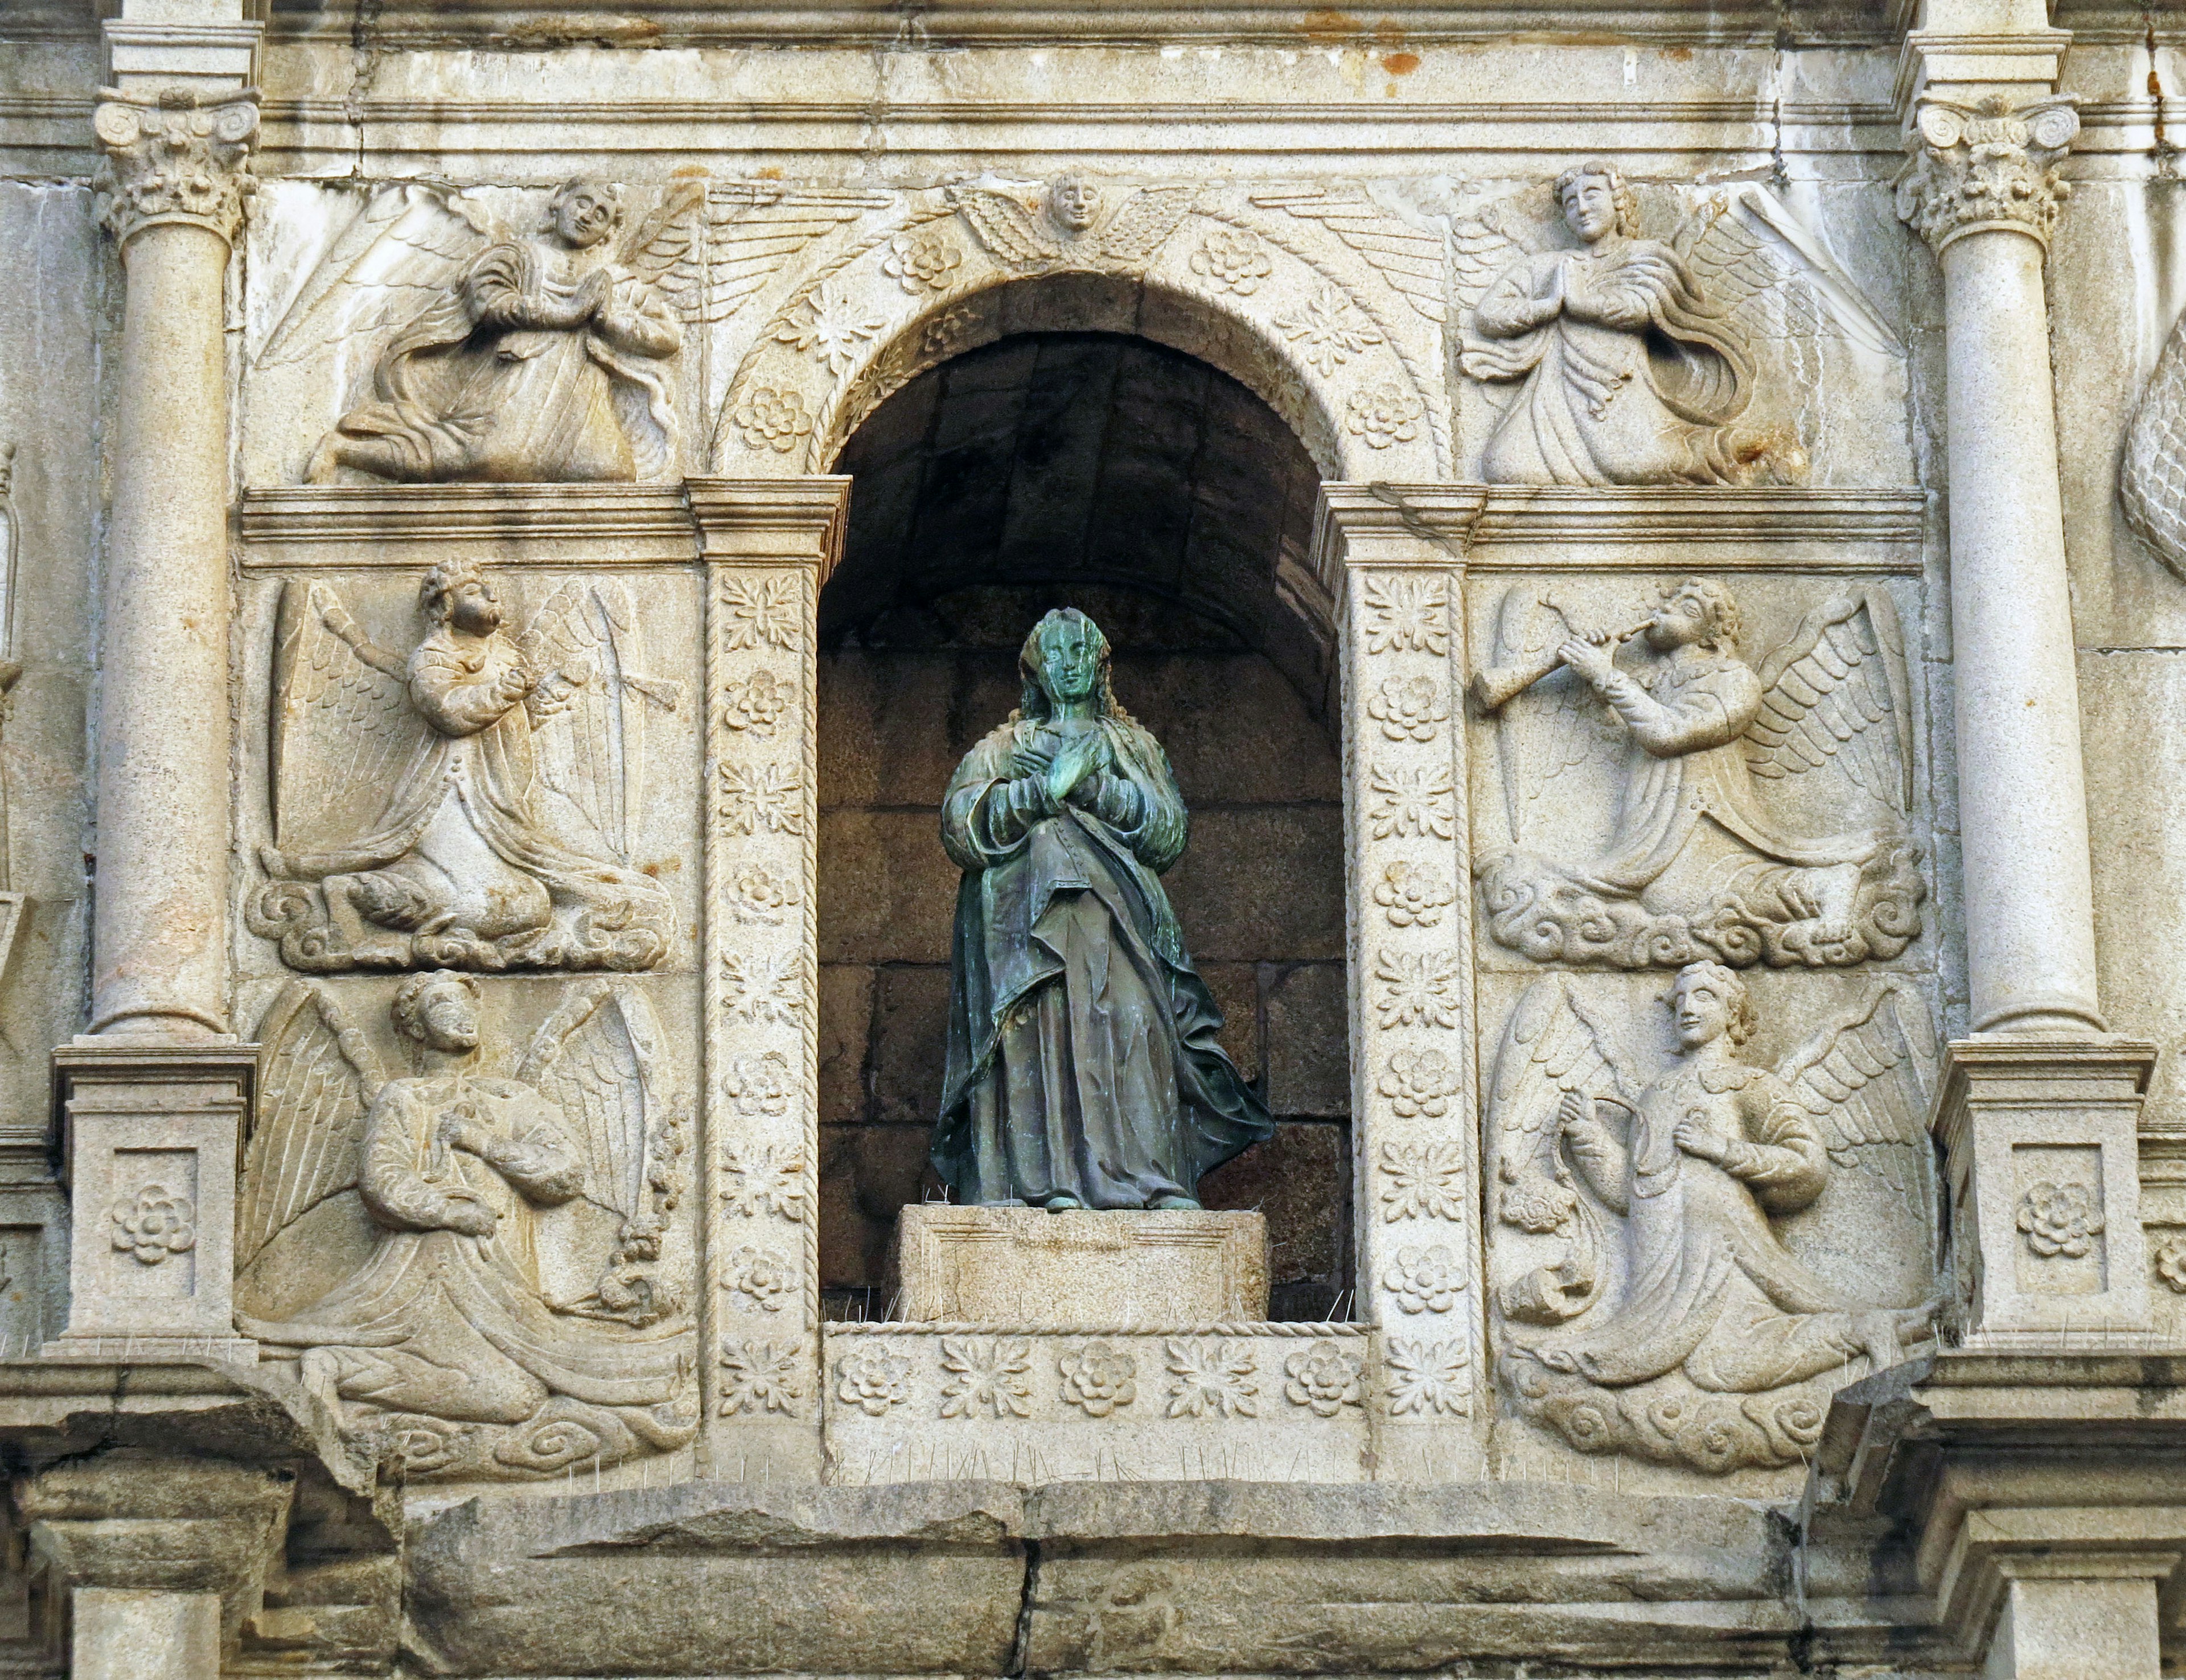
<point>1425,1280</point>
<point>1428,1376</point>
<point>1328,329</point>
<point>1407,615</point>
<point>756,1376</point>
<point>1383,413</point>
<point>921,262</point>
<point>1409,708</point>
<point>1975,167</point>
<point>1419,988</point>
<point>764,1180</point>
<point>1413,897</point>
<point>1213,1380</point>
<point>759,895</point>
<point>1421,800</point>
<point>767,796</point>
<point>2060,1219</point>
<point>172,158</point>
<point>771,418</point>
<point>759,1276</point>
<point>1420,1082</point>
<point>992,1377</point>
<point>155,1222</point>
<point>872,1380</point>
<point>2171,1263</point>
<point>829,331</point>
<point>1099,1378</point>
<point>758,703</point>
<point>764,989</point>
<point>1324,1378</point>
<point>762,611</point>
<point>1422,1181</point>
<point>1233,260</point>
<point>947,332</point>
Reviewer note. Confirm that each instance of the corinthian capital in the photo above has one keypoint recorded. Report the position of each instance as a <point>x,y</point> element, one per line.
<point>175,156</point>
<point>1984,168</point>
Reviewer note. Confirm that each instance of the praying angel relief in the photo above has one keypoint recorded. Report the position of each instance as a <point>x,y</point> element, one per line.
<point>1752,814</point>
<point>468,805</point>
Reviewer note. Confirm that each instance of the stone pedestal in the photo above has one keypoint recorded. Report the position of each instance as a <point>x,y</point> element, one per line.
<point>1024,1266</point>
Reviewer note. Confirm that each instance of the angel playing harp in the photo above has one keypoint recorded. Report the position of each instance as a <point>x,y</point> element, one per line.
<point>471,804</point>
<point>505,356</point>
<point>1635,358</point>
<point>503,1237</point>
<point>1720,1228</point>
<point>1696,863</point>
<point>1070,228</point>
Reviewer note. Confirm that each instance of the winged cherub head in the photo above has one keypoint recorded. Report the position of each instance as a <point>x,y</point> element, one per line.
<point>1708,1001</point>
<point>583,212</point>
<point>459,592</point>
<point>1696,612</point>
<point>440,1010</point>
<point>1596,202</point>
<point>1074,202</point>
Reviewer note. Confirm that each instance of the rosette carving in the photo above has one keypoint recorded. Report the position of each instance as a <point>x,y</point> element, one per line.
<point>175,156</point>
<point>1985,168</point>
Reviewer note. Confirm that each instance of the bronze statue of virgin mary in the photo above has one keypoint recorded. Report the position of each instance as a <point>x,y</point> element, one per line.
<point>1083,1067</point>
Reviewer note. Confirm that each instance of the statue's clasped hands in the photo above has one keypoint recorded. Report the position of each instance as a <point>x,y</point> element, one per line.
<point>1695,1136</point>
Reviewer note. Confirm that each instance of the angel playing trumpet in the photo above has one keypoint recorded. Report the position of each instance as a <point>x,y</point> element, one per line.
<point>1697,861</point>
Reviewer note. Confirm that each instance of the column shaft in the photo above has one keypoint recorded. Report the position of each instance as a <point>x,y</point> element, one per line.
<point>117,1634</point>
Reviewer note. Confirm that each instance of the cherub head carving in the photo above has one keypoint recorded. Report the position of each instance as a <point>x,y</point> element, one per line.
<point>1596,202</point>
<point>583,212</point>
<point>439,1010</point>
<point>1696,612</point>
<point>459,592</point>
<point>1708,1001</point>
<point>1073,203</point>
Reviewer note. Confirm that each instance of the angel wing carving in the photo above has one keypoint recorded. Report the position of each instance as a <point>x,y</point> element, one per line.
<point>1836,693</point>
<point>588,711</point>
<point>1751,256</point>
<point>598,1059</point>
<point>752,229</point>
<point>2152,480</point>
<point>317,1079</point>
<point>1861,1078</point>
<point>1411,261</point>
<point>1144,224</point>
<point>1008,227</point>
<point>1064,226</point>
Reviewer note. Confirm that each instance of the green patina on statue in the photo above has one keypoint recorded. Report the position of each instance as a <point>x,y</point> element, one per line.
<point>1083,1067</point>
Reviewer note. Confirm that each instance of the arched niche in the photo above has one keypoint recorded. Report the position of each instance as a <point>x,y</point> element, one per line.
<point>1158,494</point>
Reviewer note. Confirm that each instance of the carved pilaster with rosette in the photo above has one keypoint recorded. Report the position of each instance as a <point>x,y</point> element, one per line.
<point>1416,1154</point>
<point>1985,168</point>
<point>768,544</point>
<point>175,157</point>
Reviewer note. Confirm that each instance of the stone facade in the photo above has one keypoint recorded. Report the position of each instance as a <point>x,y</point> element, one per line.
<point>1651,538</point>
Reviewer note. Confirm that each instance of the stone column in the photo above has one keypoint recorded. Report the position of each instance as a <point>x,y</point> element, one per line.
<point>171,192</point>
<point>769,544</point>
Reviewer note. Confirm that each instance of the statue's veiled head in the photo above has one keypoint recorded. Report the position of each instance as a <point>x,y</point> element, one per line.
<point>1708,1001</point>
<point>1596,202</point>
<point>1695,612</point>
<point>1065,660</point>
<point>439,1010</point>
<point>459,592</point>
<point>583,212</point>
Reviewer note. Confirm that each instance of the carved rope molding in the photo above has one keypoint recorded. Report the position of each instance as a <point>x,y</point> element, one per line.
<point>1986,168</point>
<point>174,157</point>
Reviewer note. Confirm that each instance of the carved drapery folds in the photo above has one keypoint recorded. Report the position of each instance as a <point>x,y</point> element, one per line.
<point>175,157</point>
<point>1986,168</point>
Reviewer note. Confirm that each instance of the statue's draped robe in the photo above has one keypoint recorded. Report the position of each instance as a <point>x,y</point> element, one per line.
<point>456,1327</point>
<point>1707,1287</point>
<point>1082,1058</point>
<point>460,855</point>
<point>478,387</point>
<point>1634,382</point>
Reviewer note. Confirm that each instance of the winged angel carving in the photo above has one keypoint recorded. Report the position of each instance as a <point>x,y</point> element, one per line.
<point>1699,1254</point>
<point>499,354</point>
<point>513,1301</point>
<point>471,804</point>
<point>1635,358</point>
<point>1067,225</point>
<point>1697,862</point>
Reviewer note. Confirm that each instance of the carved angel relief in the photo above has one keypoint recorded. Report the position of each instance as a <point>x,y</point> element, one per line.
<point>469,804</point>
<point>1663,723</point>
<point>508,1294</point>
<point>1686,1262</point>
<point>1068,227</point>
<point>502,354</point>
<point>1634,359</point>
